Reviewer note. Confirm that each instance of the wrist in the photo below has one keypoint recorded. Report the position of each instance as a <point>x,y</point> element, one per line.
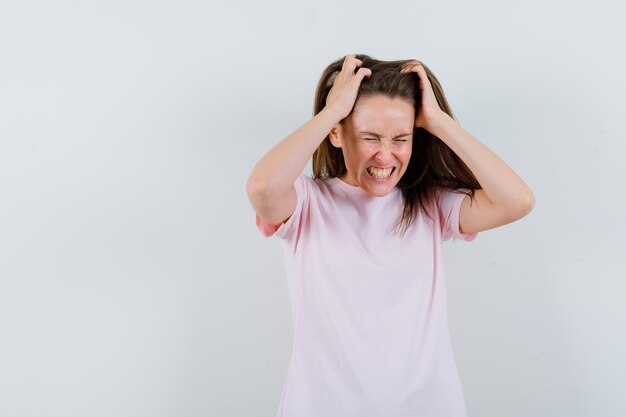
<point>331,113</point>
<point>441,122</point>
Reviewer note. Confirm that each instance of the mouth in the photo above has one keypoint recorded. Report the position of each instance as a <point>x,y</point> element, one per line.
<point>380,174</point>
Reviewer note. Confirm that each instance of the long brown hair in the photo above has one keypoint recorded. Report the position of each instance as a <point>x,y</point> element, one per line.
<point>433,165</point>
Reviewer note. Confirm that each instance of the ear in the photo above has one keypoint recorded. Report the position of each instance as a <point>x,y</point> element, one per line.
<point>335,136</point>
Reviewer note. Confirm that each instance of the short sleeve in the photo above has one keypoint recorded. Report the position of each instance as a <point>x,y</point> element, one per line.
<point>288,228</point>
<point>449,209</point>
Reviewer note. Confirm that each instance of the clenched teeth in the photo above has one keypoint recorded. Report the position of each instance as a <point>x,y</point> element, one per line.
<point>379,173</point>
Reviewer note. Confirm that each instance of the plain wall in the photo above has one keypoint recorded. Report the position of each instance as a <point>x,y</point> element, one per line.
<point>133,281</point>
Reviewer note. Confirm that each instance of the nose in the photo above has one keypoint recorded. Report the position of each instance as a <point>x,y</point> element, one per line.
<point>384,153</point>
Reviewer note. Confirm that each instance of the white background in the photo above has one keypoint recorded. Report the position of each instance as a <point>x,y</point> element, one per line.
<point>133,281</point>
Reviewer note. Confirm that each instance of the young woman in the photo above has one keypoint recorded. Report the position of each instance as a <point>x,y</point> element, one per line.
<point>394,175</point>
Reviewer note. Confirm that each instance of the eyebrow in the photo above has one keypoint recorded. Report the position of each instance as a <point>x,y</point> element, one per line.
<point>377,135</point>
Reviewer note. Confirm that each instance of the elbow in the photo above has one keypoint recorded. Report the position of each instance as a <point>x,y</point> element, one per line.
<point>530,201</point>
<point>258,194</point>
<point>526,204</point>
<point>255,191</point>
<point>253,188</point>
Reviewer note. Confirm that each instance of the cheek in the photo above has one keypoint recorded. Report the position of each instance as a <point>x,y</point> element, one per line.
<point>359,153</point>
<point>406,152</point>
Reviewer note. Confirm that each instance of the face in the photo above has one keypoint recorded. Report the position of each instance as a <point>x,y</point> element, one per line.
<point>378,134</point>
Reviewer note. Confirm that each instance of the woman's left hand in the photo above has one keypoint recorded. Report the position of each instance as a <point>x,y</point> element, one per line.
<point>430,114</point>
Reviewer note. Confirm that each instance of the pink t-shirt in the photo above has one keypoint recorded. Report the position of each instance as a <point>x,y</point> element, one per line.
<point>369,307</point>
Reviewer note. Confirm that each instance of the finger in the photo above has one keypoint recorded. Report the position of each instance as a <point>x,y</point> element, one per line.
<point>357,63</point>
<point>351,64</point>
<point>422,73</point>
<point>409,67</point>
<point>363,72</point>
<point>412,62</point>
<point>350,59</point>
<point>346,60</point>
<point>353,57</point>
<point>419,69</point>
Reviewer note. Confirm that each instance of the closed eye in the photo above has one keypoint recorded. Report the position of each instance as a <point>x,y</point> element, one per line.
<point>398,140</point>
<point>376,139</point>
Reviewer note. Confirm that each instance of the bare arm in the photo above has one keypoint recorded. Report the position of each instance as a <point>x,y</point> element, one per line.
<point>274,174</point>
<point>270,185</point>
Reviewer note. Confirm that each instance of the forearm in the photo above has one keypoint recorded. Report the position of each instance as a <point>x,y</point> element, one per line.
<point>278,169</point>
<point>500,183</point>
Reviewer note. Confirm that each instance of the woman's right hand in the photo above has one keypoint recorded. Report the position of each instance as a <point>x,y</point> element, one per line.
<point>342,94</point>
